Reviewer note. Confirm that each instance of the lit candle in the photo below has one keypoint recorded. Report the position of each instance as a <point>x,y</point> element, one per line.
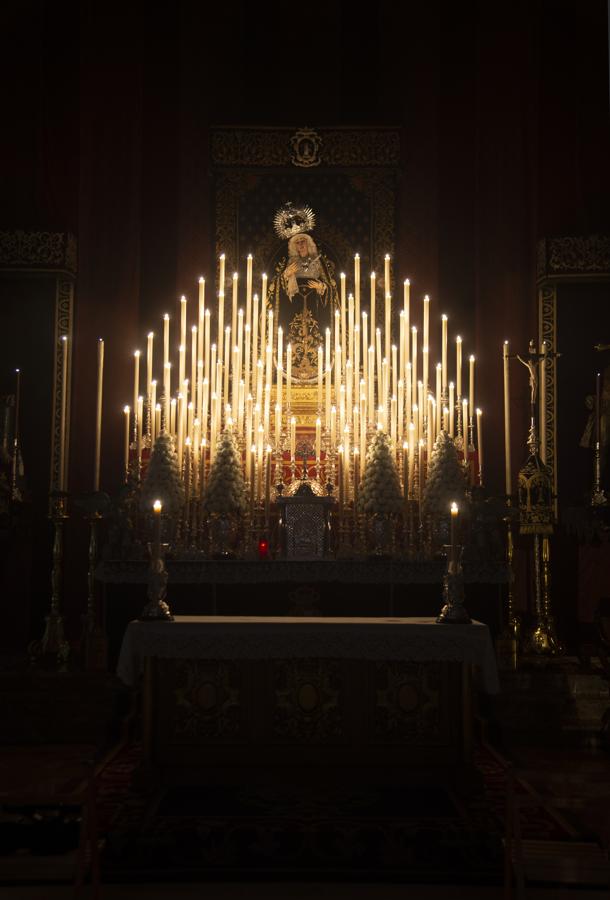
<point>451,409</point>
<point>157,419</point>
<point>289,375</point>
<point>343,317</point>
<point>357,285</point>
<point>167,374</point>
<point>388,325</point>
<point>458,367</point>
<point>386,275</point>
<point>157,507</point>
<point>98,414</point>
<point>426,341</point>
<point>149,362</point>
<point>480,444</point>
<point>372,303</point>
<point>136,381</point>
<point>454,520</point>
<point>507,459</point>
<point>278,425</point>
<point>365,345</point>
<point>206,346</point>
<point>471,390</point>
<point>280,345</point>
<point>263,314</point>
<point>407,315</point>
<point>234,294</point>
<point>327,387</point>
<point>165,340</point>
<point>254,330</point>
<point>444,354</point>
<point>126,412</point>
<point>333,426</point>
<point>320,378</point>
<point>249,289</point>
<point>181,363</point>
<point>201,319</point>
<point>153,406</point>
<point>139,427</point>
<point>193,363</point>
<point>414,363</point>
<point>439,406</point>
<point>182,330</point>
<point>318,440</point>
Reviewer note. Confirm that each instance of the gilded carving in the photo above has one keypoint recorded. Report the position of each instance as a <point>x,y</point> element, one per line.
<point>38,250</point>
<point>307,700</point>
<point>588,255</point>
<point>407,701</point>
<point>270,147</point>
<point>547,307</point>
<point>206,698</point>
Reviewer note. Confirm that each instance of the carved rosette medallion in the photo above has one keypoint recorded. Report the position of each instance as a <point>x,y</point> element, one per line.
<point>306,145</point>
<point>407,702</point>
<point>307,700</point>
<point>206,698</point>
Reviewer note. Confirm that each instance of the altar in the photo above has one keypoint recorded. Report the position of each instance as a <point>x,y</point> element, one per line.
<point>372,699</point>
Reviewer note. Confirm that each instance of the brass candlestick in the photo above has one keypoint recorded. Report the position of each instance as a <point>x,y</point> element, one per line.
<point>53,642</point>
<point>93,641</point>
<point>453,611</point>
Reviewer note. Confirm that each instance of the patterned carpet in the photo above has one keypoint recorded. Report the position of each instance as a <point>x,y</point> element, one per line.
<point>405,834</point>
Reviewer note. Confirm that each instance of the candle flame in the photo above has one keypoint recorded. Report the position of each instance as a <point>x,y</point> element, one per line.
<point>157,506</point>
<point>454,508</point>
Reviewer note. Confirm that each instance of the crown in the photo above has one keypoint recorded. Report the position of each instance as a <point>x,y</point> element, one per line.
<point>291,220</point>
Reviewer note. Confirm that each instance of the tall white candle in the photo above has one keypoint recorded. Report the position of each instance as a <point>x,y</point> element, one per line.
<point>373,279</point>
<point>201,319</point>
<point>234,297</point>
<point>98,414</point>
<point>136,380</point>
<point>149,362</point>
<point>407,314</point>
<point>125,442</point>
<point>471,389</point>
<point>444,353</point>
<point>414,362</point>
<point>357,286</point>
<point>480,443</point>
<point>451,409</point>
<point>458,367</point>
<point>507,459</point>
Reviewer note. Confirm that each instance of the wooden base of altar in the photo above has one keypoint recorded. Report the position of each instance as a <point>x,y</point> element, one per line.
<point>367,713</point>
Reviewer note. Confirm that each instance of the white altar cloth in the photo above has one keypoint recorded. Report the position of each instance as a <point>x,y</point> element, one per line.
<point>282,637</point>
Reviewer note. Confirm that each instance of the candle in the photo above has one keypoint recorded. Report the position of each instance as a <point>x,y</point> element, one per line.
<point>507,460</point>
<point>407,316</point>
<point>357,285</point>
<point>98,415</point>
<point>333,426</point>
<point>182,327</point>
<point>542,401</point>
<point>278,425</point>
<point>206,347</point>
<point>126,412</point>
<point>136,381</point>
<point>451,409</point>
<point>201,319</point>
<point>480,444</point>
<point>388,325</point>
<point>165,340</point>
<point>414,364</point>
<point>194,363</point>
<point>454,519</point>
<point>234,293</point>
<point>157,419</point>
<point>439,406</point>
<point>386,275</point>
<point>444,354</point>
<point>426,341</point>
<point>320,377</point>
<point>327,404</point>
<point>249,289</point>
<point>289,375</point>
<point>149,362</point>
<point>267,484</point>
<point>280,345</point>
<point>263,313</point>
<point>181,363</point>
<point>343,317</point>
<point>471,387</point>
<point>458,367</point>
<point>140,417</point>
<point>372,303</point>
<point>293,437</point>
<point>318,440</point>
<point>153,406</point>
<point>157,507</point>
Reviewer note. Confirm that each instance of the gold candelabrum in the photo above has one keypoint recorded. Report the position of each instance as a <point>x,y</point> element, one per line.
<point>238,370</point>
<point>536,516</point>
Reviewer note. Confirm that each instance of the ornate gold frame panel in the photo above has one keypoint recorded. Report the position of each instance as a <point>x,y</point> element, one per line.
<point>244,158</point>
<point>561,260</point>
<point>48,254</point>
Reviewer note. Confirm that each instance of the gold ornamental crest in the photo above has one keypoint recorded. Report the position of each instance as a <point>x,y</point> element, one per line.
<point>306,145</point>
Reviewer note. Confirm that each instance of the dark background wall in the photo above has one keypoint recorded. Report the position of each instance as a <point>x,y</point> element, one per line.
<point>503,110</point>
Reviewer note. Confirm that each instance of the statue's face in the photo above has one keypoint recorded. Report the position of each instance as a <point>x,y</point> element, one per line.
<point>301,245</point>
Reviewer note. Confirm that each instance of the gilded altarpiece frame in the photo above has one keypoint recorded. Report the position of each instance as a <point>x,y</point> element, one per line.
<point>347,176</point>
<point>562,260</point>
<point>50,255</point>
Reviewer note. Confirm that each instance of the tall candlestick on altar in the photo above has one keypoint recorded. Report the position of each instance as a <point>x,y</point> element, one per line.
<point>249,289</point>
<point>507,459</point>
<point>126,412</point>
<point>136,381</point>
<point>351,322</point>
<point>451,409</point>
<point>414,364</point>
<point>206,346</point>
<point>454,537</point>
<point>373,278</point>
<point>264,315</point>
<point>320,377</point>
<point>182,325</point>
<point>293,438</point>
<point>153,406</point>
<point>248,345</point>
<point>194,363</point>
<point>407,314</point>
<point>221,319</point>
<point>280,344</point>
<point>388,325</point>
<point>365,345</point>
<point>318,440</point>
<point>386,275</point>
<point>471,385</point>
<point>426,340</point>
<point>181,363</point>
<point>458,366</point>
<point>439,405</point>
<point>480,444</point>
<point>444,354</point>
<point>139,427</point>
<point>234,296</point>
<point>289,376</point>
<point>201,319</point>
<point>357,285</point>
<point>165,340</point>
<point>254,330</point>
<point>98,415</point>
<point>149,362</point>
<point>343,317</point>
